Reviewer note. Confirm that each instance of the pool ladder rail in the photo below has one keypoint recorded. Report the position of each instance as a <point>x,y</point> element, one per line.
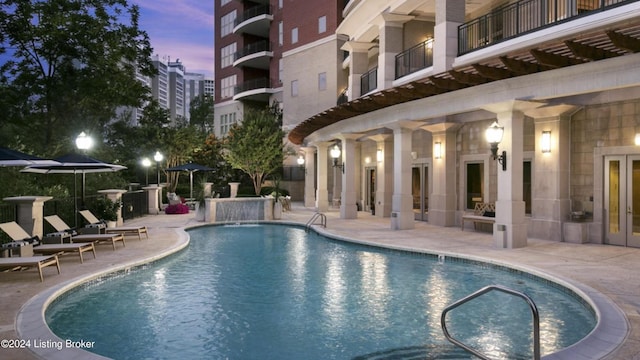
<point>484,290</point>
<point>314,218</point>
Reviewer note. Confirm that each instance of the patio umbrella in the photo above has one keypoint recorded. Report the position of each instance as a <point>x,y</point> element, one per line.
<point>9,157</point>
<point>74,164</point>
<point>191,168</point>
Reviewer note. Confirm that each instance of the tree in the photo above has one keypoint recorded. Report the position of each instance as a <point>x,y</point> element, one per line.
<point>256,146</point>
<point>70,64</point>
<point>201,112</point>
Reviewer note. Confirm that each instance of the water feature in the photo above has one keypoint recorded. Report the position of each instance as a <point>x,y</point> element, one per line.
<point>271,291</point>
<point>238,210</point>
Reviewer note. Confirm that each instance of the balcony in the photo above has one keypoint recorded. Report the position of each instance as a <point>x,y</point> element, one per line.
<point>255,90</point>
<point>369,81</point>
<point>257,55</point>
<point>254,21</point>
<point>414,59</point>
<point>515,19</point>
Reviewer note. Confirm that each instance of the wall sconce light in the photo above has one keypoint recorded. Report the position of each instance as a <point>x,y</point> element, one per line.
<point>545,142</point>
<point>367,160</point>
<point>437,150</point>
<point>300,161</point>
<point>335,154</point>
<point>494,136</point>
<point>379,155</point>
<point>637,140</point>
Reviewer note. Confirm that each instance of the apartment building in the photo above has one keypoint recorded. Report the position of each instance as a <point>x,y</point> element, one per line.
<point>422,84</point>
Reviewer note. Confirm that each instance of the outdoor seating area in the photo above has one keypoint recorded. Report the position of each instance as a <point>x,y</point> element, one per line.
<point>123,230</point>
<point>483,213</point>
<point>64,233</point>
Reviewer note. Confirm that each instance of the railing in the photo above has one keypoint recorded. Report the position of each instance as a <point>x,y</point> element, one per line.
<point>253,48</point>
<point>252,84</point>
<point>134,204</point>
<point>414,59</point>
<point>369,81</point>
<point>253,12</point>
<point>314,218</point>
<point>524,16</point>
<point>484,290</point>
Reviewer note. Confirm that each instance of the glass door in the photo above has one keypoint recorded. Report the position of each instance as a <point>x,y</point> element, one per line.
<point>622,200</point>
<point>420,191</point>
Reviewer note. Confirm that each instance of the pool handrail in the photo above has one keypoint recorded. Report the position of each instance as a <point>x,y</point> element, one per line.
<point>484,290</point>
<point>317,215</point>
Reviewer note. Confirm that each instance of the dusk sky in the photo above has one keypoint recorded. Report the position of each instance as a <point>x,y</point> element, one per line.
<point>180,29</point>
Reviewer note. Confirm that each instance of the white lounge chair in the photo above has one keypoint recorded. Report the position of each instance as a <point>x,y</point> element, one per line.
<point>17,233</point>
<point>62,228</point>
<point>124,230</point>
<point>38,262</point>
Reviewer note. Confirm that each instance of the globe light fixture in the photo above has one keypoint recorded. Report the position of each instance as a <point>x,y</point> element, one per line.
<point>494,137</point>
<point>158,157</point>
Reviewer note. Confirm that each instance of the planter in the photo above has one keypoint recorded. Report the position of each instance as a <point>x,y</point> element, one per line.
<point>200,212</point>
<point>277,211</point>
<point>111,224</point>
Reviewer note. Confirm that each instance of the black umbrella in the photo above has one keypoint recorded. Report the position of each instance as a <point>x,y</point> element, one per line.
<point>191,168</point>
<point>74,164</point>
<point>9,157</point>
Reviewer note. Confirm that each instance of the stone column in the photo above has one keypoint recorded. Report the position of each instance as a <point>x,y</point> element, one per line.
<point>348,207</point>
<point>322,192</point>
<point>442,202</point>
<point>30,212</point>
<point>384,175</point>
<point>309,176</point>
<point>391,44</point>
<point>152,196</point>
<point>358,65</point>
<point>551,203</point>
<point>115,195</point>
<point>402,217</point>
<point>449,15</point>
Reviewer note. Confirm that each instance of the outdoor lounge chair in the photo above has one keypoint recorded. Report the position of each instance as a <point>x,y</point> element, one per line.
<point>64,231</point>
<point>124,230</point>
<point>38,262</point>
<point>17,233</point>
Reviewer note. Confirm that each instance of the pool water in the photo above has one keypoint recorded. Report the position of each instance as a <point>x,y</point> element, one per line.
<point>277,292</point>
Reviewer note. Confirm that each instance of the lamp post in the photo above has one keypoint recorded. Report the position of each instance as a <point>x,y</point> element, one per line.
<point>83,143</point>
<point>158,157</point>
<point>146,163</point>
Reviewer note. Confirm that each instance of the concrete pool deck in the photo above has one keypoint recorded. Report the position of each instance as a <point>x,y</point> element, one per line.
<point>609,270</point>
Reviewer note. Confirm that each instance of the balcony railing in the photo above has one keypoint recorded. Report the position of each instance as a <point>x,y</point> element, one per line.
<point>252,85</point>
<point>369,81</point>
<point>524,16</point>
<point>256,47</point>
<point>253,12</point>
<point>414,59</point>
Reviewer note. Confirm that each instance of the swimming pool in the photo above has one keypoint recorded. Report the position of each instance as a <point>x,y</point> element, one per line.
<point>270,291</point>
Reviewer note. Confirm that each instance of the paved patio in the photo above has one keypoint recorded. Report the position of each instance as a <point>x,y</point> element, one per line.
<point>611,271</point>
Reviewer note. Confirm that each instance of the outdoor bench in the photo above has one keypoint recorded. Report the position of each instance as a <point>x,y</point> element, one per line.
<point>482,213</point>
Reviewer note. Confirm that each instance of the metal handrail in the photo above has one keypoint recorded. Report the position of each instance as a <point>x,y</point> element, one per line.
<point>323,220</point>
<point>484,290</point>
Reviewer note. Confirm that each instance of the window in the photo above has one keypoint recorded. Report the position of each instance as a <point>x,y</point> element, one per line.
<point>280,4</point>
<point>224,2</point>
<point>294,88</point>
<point>280,71</point>
<point>280,33</point>
<point>294,35</point>
<point>475,185</point>
<point>227,86</point>
<point>226,122</point>
<point>227,55</point>
<point>322,24</point>
<point>226,23</point>
<point>322,81</point>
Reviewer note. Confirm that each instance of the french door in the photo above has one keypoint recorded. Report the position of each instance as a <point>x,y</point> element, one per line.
<point>622,200</point>
<point>420,191</point>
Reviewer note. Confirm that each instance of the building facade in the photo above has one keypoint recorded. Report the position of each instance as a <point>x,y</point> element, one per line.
<point>420,84</point>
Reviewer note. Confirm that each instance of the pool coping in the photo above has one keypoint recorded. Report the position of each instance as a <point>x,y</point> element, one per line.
<point>611,330</point>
